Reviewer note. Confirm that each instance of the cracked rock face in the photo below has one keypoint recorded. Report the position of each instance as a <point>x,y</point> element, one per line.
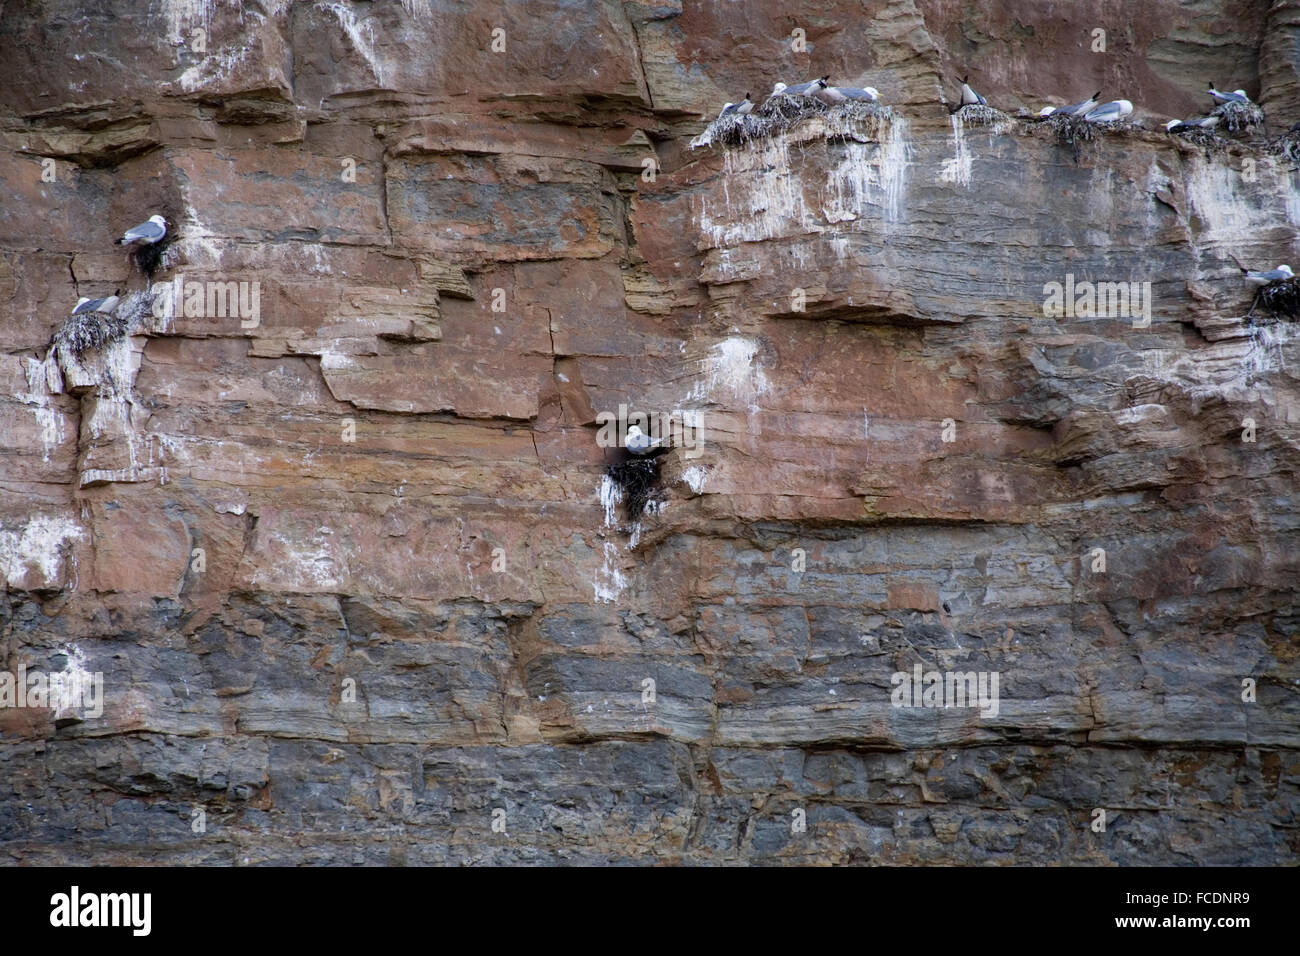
<point>347,561</point>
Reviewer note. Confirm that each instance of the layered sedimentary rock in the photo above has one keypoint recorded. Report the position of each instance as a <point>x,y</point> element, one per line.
<point>350,568</point>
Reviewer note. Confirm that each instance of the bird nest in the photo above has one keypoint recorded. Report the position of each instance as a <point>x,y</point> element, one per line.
<point>1203,137</point>
<point>92,331</point>
<point>976,114</point>
<point>1287,146</point>
<point>1071,132</point>
<point>782,112</point>
<point>149,258</point>
<point>1281,298</point>
<point>637,478</point>
<point>1238,117</point>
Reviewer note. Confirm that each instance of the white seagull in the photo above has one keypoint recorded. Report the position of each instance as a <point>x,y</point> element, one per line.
<point>106,304</point>
<point>1184,126</point>
<point>147,233</point>
<point>834,95</point>
<point>1237,96</point>
<point>740,109</point>
<point>1077,109</point>
<point>639,443</point>
<point>803,89</point>
<point>1264,278</point>
<point>968,96</point>
<point>1109,112</point>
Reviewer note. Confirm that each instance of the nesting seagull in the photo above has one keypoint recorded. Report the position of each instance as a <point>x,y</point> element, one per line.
<point>641,444</point>
<point>1264,278</point>
<point>106,304</point>
<point>146,234</point>
<point>740,109</point>
<point>864,93</point>
<point>1109,112</point>
<point>1237,96</point>
<point>968,96</point>
<point>1185,126</point>
<point>835,95</point>
<point>1077,109</point>
<point>802,89</point>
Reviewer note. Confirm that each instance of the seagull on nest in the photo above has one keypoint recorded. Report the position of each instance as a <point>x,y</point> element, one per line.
<point>739,109</point>
<point>106,304</point>
<point>1237,96</point>
<point>1109,112</point>
<point>147,233</point>
<point>1264,278</point>
<point>1077,109</point>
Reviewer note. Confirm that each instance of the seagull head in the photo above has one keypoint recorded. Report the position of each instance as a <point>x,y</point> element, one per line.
<point>1172,123</point>
<point>1047,111</point>
<point>633,431</point>
<point>1240,92</point>
<point>1286,269</point>
<point>872,92</point>
<point>158,220</point>
<point>778,89</point>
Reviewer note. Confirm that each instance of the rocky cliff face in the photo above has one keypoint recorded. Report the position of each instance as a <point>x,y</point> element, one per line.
<point>347,560</point>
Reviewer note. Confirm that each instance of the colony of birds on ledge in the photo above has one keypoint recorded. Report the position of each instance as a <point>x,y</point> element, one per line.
<point>1073,125</point>
<point>738,124</point>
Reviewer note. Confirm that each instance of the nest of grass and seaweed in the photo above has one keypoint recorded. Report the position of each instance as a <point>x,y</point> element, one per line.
<point>780,113</point>
<point>1071,132</point>
<point>1281,299</point>
<point>94,331</point>
<point>1287,146</point>
<point>1239,117</point>
<point>90,332</point>
<point>976,114</point>
<point>637,479</point>
<point>1206,139</point>
<point>149,258</point>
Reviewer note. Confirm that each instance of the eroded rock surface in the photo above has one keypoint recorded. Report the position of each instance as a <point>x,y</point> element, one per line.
<point>348,572</point>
